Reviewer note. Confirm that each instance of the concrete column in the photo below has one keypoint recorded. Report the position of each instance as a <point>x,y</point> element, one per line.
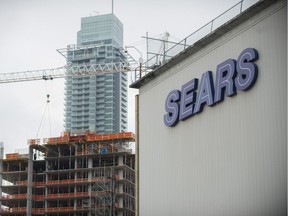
<point>30,181</point>
<point>120,160</point>
<point>75,177</point>
<point>120,213</point>
<point>120,174</point>
<point>47,167</point>
<point>1,169</point>
<point>120,185</point>
<point>120,163</point>
<point>90,165</point>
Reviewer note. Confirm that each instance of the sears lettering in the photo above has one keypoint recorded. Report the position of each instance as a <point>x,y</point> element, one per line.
<point>172,108</point>
<point>231,75</point>
<point>188,98</point>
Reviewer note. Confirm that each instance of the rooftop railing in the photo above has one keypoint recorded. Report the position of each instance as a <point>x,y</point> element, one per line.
<point>160,59</point>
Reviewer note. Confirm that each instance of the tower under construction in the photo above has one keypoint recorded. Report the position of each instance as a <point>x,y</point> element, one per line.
<point>74,175</point>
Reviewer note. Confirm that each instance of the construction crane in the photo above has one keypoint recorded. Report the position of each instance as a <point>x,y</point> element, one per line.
<point>72,70</point>
<point>65,71</point>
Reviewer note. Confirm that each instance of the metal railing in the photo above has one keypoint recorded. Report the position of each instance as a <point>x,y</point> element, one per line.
<point>160,59</point>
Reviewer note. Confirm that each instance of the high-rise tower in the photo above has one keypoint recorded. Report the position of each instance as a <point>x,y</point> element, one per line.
<point>98,102</point>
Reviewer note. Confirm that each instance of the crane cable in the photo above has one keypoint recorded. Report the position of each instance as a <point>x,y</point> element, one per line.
<point>47,107</point>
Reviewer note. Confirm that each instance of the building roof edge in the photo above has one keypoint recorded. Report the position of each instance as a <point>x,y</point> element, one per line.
<point>217,33</point>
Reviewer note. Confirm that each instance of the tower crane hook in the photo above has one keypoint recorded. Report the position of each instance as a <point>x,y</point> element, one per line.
<point>48,98</point>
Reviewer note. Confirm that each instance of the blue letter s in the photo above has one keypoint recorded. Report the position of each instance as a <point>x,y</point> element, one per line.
<point>247,71</point>
<point>172,108</point>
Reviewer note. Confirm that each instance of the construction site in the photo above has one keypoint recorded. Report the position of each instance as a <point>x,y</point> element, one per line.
<point>230,160</point>
<point>74,175</point>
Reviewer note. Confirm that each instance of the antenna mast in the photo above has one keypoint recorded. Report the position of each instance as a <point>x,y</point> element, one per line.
<point>112,6</point>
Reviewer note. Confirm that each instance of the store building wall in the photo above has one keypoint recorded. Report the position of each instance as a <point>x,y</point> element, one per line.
<point>230,159</point>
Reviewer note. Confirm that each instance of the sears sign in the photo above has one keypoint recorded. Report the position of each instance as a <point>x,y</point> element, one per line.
<point>231,75</point>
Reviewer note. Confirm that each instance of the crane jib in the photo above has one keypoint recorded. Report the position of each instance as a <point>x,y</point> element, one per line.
<point>65,71</point>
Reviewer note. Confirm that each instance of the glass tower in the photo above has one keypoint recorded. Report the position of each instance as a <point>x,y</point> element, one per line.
<point>97,102</point>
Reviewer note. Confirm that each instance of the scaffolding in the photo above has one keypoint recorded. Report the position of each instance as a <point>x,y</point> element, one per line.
<point>102,192</point>
<point>81,175</point>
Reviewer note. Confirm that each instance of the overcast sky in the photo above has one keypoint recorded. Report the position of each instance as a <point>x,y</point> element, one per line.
<point>32,30</point>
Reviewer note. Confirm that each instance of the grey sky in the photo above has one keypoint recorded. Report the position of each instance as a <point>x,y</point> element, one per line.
<point>32,30</point>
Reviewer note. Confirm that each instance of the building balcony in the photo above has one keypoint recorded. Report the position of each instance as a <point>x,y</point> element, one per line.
<point>80,121</point>
<point>9,211</point>
<point>100,106</point>
<point>81,110</point>
<point>100,85</point>
<point>82,81</point>
<point>81,97</point>
<point>66,209</point>
<point>80,87</point>
<point>81,114</point>
<point>15,197</point>
<point>77,103</point>
<point>100,95</point>
<point>82,57</point>
<point>67,195</point>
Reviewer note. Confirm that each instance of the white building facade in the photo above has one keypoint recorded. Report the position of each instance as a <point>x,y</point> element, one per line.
<point>213,122</point>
